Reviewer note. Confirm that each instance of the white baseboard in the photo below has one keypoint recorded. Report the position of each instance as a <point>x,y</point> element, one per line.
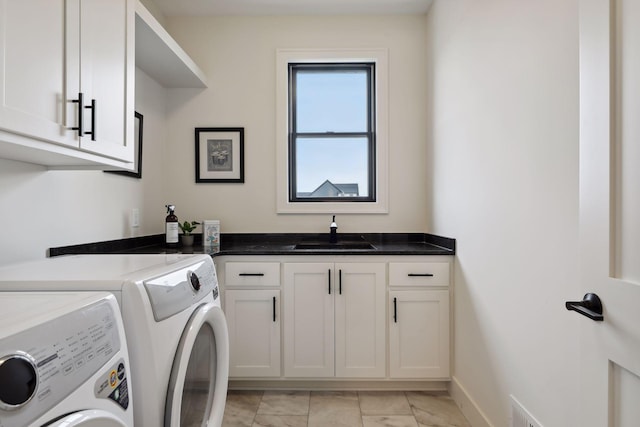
<point>467,405</point>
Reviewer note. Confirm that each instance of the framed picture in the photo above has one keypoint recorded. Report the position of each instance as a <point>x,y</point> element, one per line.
<point>219,154</point>
<point>137,140</point>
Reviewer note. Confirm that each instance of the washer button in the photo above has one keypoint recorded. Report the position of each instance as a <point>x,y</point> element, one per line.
<point>195,282</point>
<point>18,381</point>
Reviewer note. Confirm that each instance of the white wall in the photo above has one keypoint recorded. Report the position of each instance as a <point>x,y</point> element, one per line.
<point>503,121</point>
<point>238,56</point>
<point>55,208</point>
<point>40,209</point>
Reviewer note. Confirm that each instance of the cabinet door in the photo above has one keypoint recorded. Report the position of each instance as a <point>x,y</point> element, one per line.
<point>308,328</point>
<point>253,319</point>
<point>32,69</point>
<point>360,320</point>
<point>419,334</point>
<point>106,70</point>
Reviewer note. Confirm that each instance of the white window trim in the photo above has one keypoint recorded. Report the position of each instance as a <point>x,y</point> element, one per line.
<point>380,58</point>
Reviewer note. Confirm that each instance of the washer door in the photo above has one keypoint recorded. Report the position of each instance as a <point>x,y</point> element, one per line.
<point>90,418</point>
<point>198,383</point>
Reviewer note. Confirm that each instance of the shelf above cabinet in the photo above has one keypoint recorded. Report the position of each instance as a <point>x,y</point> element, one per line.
<point>160,56</point>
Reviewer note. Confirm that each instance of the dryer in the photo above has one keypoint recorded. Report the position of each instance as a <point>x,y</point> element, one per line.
<point>63,361</point>
<point>176,330</point>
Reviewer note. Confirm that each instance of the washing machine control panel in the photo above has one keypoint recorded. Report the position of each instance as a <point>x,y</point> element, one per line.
<point>174,292</point>
<point>41,366</point>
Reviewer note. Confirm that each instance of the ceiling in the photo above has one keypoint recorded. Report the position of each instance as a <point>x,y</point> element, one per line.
<point>291,7</point>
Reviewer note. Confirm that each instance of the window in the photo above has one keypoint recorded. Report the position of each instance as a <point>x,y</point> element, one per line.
<point>331,132</point>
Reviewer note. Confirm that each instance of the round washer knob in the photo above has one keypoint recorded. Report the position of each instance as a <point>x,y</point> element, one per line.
<point>18,380</point>
<point>195,282</point>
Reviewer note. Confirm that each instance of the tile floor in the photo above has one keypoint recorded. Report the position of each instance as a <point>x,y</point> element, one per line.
<point>341,409</point>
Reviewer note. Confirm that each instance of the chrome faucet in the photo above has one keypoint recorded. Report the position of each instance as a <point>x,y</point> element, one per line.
<point>333,236</point>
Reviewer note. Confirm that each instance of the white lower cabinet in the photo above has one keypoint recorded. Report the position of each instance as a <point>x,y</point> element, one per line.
<point>419,334</point>
<point>334,320</point>
<point>309,320</point>
<point>365,319</point>
<point>253,319</point>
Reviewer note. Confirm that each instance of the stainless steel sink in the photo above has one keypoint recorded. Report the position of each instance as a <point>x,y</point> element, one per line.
<point>344,246</point>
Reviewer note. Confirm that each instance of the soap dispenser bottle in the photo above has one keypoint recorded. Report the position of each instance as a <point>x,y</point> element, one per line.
<point>171,227</point>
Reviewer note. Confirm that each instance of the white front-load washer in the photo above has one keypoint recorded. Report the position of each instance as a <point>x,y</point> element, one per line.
<point>63,361</point>
<point>176,330</point>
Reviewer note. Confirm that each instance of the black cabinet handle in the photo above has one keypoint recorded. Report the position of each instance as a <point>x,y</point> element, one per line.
<point>274,309</point>
<point>395,310</point>
<point>329,276</point>
<point>340,281</point>
<point>420,275</point>
<point>80,102</point>
<point>251,274</point>
<point>590,306</point>
<point>92,107</point>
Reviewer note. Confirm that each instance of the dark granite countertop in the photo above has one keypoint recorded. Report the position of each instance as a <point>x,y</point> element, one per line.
<point>279,244</point>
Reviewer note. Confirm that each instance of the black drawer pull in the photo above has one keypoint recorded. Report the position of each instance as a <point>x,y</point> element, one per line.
<point>420,275</point>
<point>274,309</point>
<point>395,310</point>
<point>251,274</point>
<point>340,281</point>
<point>329,276</point>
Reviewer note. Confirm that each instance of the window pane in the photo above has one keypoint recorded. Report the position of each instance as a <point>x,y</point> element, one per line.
<point>331,101</point>
<point>332,167</point>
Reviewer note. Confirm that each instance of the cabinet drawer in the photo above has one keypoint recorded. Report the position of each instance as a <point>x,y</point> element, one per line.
<point>419,274</point>
<point>252,274</point>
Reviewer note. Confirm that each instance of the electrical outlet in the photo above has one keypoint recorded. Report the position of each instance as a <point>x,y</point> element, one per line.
<point>135,218</point>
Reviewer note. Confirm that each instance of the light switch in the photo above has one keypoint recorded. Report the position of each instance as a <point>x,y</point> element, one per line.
<point>135,218</point>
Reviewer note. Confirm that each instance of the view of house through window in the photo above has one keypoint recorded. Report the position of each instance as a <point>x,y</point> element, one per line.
<point>331,132</point>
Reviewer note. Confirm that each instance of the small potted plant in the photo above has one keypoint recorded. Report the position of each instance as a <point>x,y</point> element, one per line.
<point>187,227</point>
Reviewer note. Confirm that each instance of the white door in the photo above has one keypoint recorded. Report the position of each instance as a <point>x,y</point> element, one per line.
<point>308,327</point>
<point>106,72</point>
<point>419,334</point>
<point>610,210</point>
<point>32,69</point>
<point>360,320</point>
<point>253,317</point>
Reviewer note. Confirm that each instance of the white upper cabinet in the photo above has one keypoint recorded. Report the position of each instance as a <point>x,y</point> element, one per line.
<point>50,52</point>
<point>106,72</point>
<point>32,69</point>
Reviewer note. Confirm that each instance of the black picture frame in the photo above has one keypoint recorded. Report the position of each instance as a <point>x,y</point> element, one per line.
<point>219,154</point>
<point>138,125</point>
